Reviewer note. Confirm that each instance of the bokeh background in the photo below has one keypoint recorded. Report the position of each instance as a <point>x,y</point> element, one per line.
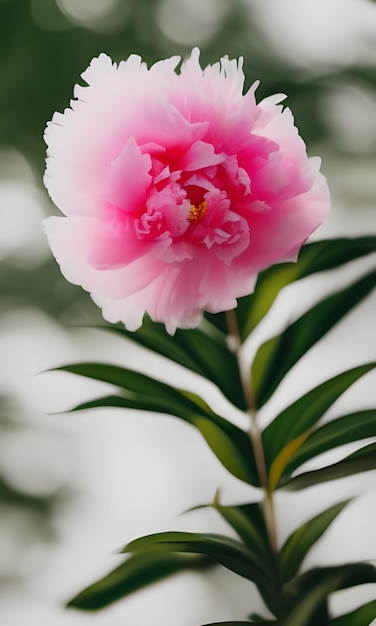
<point>75,489</point>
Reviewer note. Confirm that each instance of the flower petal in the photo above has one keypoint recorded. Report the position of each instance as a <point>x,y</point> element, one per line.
<point>178,189</point>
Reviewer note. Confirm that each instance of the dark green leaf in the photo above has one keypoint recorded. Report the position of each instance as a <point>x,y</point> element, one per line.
<point>282,459</point>
<point>232,623</point>
<point>305,412</point>
<point>277,356</point>
<point>313,257</point>
<point>362,460</point>
<point>121,377</point>
<point>255,617</point>
<point>218,320</point>
<point>229,443</point>
<point>143,389</point>
<point>362,616</point>
<point>306,593</point>
<point>345,429</point>
<point>202,350</point>
<point>218,547</point>
<point>249,523</point>
<point>237,623</point>
<point>301,540</point>
<point>138,571</point>
<point>230,553</point>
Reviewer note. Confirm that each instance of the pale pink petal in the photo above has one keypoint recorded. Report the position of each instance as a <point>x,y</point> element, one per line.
<point>72,242</point>
<point>128,179</point>
<point>178,189</point>
<point>200,155</point>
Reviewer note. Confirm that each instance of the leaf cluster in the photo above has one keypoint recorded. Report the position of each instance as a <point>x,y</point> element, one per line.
<point>294,436</point>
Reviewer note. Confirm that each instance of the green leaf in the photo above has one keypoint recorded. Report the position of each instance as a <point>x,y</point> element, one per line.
<point>121,377</point>
<point>202,350</point>
<point>301,540</point>
<point>141,389</point>
<point>255,617</point>
<point>233,623</point>
<point>231,446</point>
<point>219,547</point>
<point>137,572</point>
<point>342,430</point>
<point>314,257</point>
<point>239,623</point>
<point>306,593</point>
<point>229,443</point>
<point>277,356</point>
<point>362,460</point>
<point>282,459</point>
<point>230,553</point>
<point>362,616</point>
<point>305,412</point>
<point>249,523</point>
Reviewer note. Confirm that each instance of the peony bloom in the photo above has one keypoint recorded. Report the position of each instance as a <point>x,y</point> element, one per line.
<point>177,189</point>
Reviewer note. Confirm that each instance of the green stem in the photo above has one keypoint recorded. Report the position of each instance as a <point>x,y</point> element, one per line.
<point>234,343</point>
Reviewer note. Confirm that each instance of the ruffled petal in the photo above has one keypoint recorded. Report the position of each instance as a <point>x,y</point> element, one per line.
<point>113,271</point>
<point>177,188</point>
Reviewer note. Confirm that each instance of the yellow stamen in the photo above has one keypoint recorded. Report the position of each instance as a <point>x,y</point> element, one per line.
<point>197,212</point>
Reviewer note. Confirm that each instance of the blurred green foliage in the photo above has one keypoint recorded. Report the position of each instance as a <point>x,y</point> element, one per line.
<point>38,67</point>
<point>35,511</point>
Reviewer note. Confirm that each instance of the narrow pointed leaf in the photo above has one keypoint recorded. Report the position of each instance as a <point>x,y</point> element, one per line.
<point>282,459</point>
<point>231,445</point>
<point>255,617</point>
<point>218,547</point>
<point>155,405</point>
<point>306,593</point>
<point>232,623</point>
<point>137,572</point>
<point>205,353</point>
<point>313,257</point>
<point>142,388</point>
<point>362,616</point>
<point>121,377</point>
<point>230,553</point>
<point>301,416</point>
<point>249,523</point>
<point>342,430</point>
<point>301,540</point>
<point>362,460</point>
<point>277,356</point>
<point>228,442</point>
<point>239,623</point>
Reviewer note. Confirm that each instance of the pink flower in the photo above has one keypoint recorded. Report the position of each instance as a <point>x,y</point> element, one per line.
<point>177,189</point>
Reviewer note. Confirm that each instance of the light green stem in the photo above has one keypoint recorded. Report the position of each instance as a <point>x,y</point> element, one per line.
<point>234,343</point>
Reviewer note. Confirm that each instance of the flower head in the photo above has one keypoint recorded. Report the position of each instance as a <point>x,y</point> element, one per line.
<point>177,189</point>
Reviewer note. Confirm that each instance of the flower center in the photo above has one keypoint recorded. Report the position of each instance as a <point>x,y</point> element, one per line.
<point>197,212</point>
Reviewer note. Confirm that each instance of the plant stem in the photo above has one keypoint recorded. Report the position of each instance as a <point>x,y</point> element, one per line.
<point>234,342</point>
